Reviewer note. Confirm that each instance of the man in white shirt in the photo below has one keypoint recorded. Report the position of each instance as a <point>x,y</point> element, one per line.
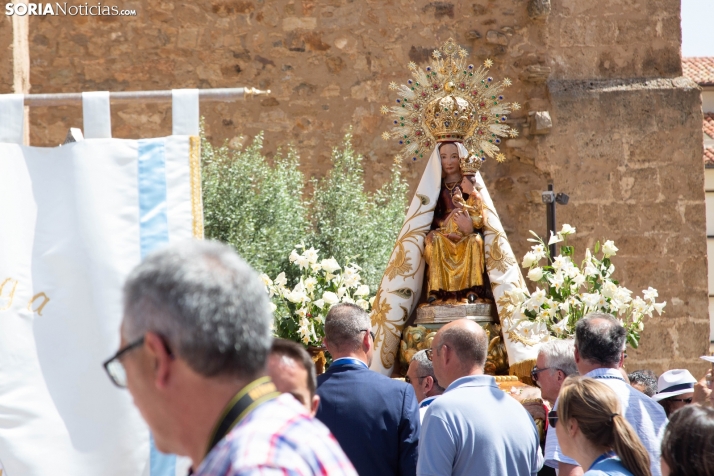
<point>421,375</point>
<point>599,354</point>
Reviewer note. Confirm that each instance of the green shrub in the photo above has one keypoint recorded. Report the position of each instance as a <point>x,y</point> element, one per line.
<point>262,210</point>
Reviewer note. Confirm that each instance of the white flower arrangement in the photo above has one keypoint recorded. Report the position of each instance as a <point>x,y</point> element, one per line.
<point>565,292</point>
<point>300,308</point>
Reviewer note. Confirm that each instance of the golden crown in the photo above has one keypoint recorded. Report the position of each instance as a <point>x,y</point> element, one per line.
<point>470,165</point>
<point>450,118</point>
<point>451,101</point>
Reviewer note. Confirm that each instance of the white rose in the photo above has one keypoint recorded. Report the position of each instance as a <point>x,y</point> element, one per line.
<point>609,248</point>
<point>330,265</point>
<point>330,298</point>
<point>567,230</point>
<point>362,290</point>
<point>529,259</point>
<point>535,274</point>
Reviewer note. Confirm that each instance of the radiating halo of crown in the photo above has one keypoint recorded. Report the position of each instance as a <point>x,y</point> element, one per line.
<point>450,100</point>
<point>470,165</point>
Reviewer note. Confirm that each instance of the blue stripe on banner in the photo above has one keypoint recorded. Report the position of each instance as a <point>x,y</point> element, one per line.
<point>153,223</point>
<point>154,232</point>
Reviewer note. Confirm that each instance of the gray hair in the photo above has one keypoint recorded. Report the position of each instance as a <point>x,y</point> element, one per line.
<point>469,346</point>
<point>343,324</point>
<point>206,302</point>
<point>559,354</point>
<point>646,378</point>
<point>425,367</point>
<point>600,338</point>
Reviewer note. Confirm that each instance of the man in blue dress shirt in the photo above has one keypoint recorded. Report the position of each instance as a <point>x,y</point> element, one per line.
<point>374,418</point>
<point>474,427</point>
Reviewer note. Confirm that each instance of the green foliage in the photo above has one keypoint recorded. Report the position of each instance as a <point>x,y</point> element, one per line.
<point>253,206</point>
<point>352,224</point>
<point>262,210</point>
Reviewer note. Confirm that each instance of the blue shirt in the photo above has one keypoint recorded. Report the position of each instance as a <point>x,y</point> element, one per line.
<point>644,414</point>
<point>476,428</point>
<point>607,465</point>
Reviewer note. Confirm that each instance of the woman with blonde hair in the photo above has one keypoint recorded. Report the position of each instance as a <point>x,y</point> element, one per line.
<point>592,430</point>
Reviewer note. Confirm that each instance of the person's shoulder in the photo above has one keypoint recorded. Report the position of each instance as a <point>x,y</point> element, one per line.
<point>653,408</point>
<point>282,434</point>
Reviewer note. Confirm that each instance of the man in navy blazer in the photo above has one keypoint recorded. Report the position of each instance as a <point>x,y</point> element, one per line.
<point>374,418</point>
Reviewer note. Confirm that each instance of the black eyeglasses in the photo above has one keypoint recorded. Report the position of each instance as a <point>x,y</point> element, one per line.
<point>535,371</point>
<point>114,367</point>
<point>408,380</point>
<point>685,400</point>
<point>370,333</point>
<point>552,418</point>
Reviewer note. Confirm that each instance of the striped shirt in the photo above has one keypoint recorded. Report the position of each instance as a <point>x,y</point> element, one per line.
<point>646,416</point>
<point>277,438</point>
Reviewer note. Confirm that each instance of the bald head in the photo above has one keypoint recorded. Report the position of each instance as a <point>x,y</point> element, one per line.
<point>467,340</point>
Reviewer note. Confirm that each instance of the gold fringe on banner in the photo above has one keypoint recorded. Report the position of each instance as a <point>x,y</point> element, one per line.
<point>194,158</point>
<point>522,370</point>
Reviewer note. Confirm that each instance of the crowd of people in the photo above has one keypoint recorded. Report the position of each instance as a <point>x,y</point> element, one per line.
<point>198,358</point>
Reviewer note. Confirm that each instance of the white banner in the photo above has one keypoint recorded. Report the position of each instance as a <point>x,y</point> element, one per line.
<point>74,220</point>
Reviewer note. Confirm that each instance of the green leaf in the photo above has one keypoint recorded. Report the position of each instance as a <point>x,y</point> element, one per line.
<point>567,250</point>
<point>597,248</point>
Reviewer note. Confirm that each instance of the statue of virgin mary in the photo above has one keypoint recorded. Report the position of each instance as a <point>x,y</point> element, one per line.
<point>455,112</point>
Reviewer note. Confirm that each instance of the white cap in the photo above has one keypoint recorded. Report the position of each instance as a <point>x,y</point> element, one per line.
<point>674,382</point>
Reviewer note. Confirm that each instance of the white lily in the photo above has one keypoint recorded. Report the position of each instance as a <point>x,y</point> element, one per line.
<point>281,280</point>
<point>311,255</point>
<point>362,290</point>
<point>554,239</point>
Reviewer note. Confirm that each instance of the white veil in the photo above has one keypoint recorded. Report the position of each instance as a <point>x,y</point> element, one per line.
<point>403,278</point>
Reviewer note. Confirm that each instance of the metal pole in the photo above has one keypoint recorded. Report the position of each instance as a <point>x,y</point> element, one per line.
<point>123,97</point>
<point>550,217</point>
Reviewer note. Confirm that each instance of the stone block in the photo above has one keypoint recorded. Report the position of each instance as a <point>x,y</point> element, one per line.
<point>295,23</point>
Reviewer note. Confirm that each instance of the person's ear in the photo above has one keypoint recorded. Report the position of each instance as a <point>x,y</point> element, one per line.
<point>573,428</point>
<point>367,341</point>
<point>577,355</point>
<point>315,405</point>
<point>561,375</point>
<point>159,353</point>
<point>428,383</point>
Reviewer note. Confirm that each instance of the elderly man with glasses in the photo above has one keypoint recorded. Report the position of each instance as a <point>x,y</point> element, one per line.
<point>194,343</point>
<point>374,418</point>
<point>421,375</point>
<point>555,361</point>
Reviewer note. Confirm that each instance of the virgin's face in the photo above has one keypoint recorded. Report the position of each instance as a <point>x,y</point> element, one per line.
<point>449,158</point>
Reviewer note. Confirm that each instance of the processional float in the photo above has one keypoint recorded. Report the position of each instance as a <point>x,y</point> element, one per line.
<point>438,271</point>
<point>75,220</point>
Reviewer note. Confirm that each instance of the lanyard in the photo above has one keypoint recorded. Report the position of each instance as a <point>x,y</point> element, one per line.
<point>251,396</point>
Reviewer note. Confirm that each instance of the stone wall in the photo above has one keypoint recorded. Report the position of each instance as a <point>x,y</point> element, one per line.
<point>626,150</point>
